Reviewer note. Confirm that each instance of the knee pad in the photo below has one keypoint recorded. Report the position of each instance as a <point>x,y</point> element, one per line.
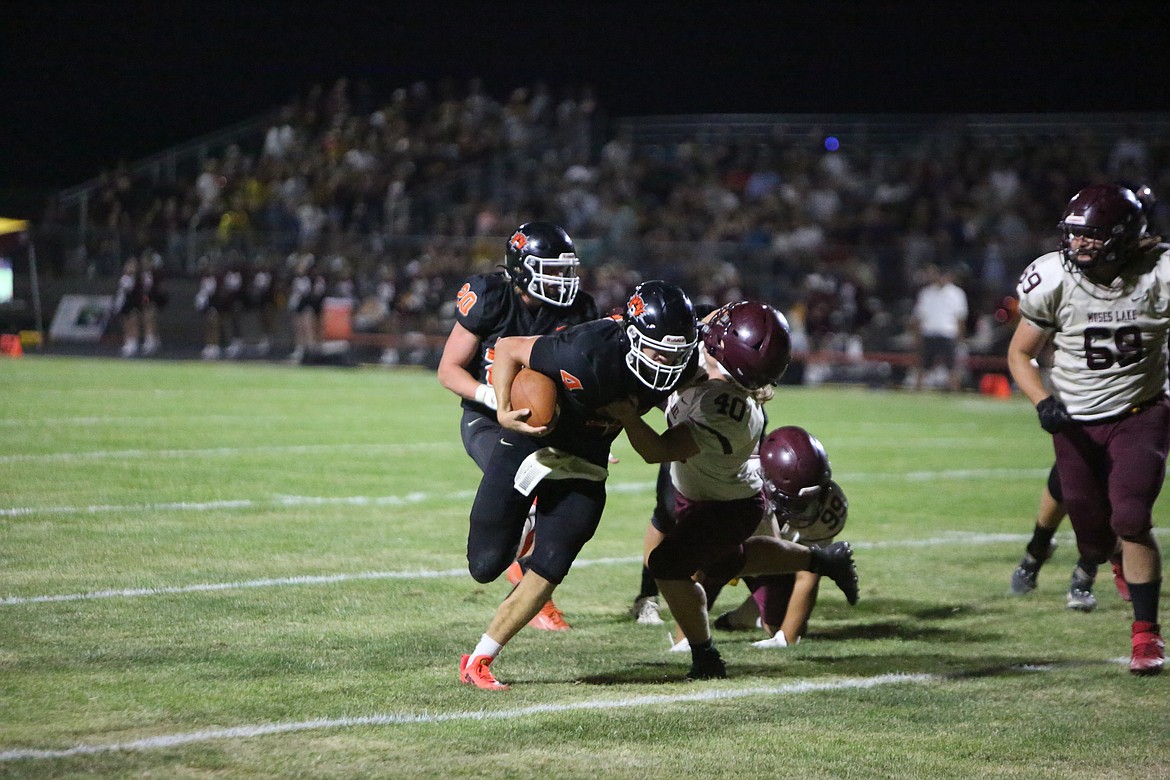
<point>551,570</point>
<point>1054,489</point>
<point>487,566</point>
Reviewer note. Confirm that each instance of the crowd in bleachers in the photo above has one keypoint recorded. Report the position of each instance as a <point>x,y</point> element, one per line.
<point>392,202</point>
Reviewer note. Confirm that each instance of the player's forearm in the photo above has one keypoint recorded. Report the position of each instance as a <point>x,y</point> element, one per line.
<point>458,380</point>
<point>1026,375</point>
<point>646,441</point>
<point>511,355</point>
<point>1025,345</point>
<point>800,606</point>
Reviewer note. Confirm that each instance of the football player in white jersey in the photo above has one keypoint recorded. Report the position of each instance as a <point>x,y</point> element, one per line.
<point>1103,299</point>
<point>714,427</point>
<point>806,506</point>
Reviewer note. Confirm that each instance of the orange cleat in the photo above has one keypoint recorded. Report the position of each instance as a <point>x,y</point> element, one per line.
<point>549,618</point>
<point>478,674</point>
<point>514,573</point>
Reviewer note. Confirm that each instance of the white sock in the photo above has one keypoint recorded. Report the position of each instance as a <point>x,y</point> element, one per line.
<point>487,646</point>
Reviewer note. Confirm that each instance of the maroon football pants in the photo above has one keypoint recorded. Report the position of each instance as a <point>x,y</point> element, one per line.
<point>1111,474</point>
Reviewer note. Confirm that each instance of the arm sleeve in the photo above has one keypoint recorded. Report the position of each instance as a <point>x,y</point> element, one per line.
<point>479,305</point>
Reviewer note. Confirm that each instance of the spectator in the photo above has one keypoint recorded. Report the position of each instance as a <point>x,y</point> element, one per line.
<point>939,323</point>
<point>306,298</point>
<point>136,302</point>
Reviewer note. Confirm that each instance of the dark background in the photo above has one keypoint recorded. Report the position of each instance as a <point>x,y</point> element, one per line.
<point>86,84</point>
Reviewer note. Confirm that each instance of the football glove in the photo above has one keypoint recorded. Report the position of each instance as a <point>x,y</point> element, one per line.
<point>1054,417</point>
<point>486,395</point>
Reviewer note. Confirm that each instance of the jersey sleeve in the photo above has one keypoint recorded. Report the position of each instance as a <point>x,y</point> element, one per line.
<point>479,304</point>
<point>566,356</point>
<point>1039,291</point>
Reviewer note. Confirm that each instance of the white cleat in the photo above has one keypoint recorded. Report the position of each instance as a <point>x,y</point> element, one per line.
<point>646,612</point>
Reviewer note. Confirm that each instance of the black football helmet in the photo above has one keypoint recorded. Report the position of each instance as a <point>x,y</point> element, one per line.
<point>796,470</point>
<point>751,341</point>
<point>1109,213</point>
<point>540,259</point>
<point>659,317</point>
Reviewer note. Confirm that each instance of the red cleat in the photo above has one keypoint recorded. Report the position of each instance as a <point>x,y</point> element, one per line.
<point>549,618</point>
<point>514,573</point>
<point>1149,651</point>
<point>1119,578</point>
<point>478,674</point>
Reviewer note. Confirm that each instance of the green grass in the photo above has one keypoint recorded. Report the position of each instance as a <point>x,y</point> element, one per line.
<point>280,551</point>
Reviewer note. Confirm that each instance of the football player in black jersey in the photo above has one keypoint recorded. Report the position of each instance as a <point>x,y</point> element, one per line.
<point>537,293</point>
<point>642,355</point>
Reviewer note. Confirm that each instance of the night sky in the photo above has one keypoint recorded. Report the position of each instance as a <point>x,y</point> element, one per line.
<point>86,84</point>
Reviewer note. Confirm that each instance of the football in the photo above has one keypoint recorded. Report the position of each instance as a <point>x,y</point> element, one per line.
<point>533,390</point>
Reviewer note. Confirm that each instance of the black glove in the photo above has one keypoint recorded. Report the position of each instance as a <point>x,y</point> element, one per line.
<point>1054,417</point>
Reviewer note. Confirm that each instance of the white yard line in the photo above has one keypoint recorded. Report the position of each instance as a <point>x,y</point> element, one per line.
<point>271,582</point>
<point>411,718</point>
<point>328,579</point>
<point>45,422</point>
<point>295,449</point>
<point>418,497</point>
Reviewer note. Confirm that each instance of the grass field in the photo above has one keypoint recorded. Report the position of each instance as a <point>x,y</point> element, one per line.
<point>247,570</point>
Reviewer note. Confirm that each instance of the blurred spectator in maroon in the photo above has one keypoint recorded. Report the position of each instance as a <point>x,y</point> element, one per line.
<point>306,297</point>
<point>136,303</point>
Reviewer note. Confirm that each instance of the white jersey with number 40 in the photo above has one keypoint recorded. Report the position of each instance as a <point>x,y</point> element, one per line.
<point>1110,341</point>
<point>726,422</point>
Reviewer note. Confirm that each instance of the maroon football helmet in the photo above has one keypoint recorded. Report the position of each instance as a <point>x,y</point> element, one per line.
<point>1107,212</point>
<point>751,341</point>
<point>795,468</point>
<point>1149,201</point>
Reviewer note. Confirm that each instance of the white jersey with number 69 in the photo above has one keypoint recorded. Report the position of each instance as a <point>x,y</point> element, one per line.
<point>1110,341</point>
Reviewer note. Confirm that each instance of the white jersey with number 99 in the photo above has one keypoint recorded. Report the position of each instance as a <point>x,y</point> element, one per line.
<point>820,521</point>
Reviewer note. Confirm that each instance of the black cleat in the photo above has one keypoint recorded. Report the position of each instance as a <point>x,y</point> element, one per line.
<point>1024,577</point>
<point>707,665</point>
<point>836,563</point>
<point>1080,591</point>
